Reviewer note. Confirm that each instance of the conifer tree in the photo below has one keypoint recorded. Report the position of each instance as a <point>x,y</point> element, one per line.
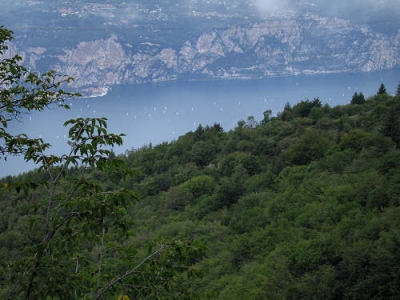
<point>358,98</point>
<point>382,90</point>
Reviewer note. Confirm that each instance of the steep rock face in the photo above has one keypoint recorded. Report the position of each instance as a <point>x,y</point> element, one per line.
<point>100,62</point>
<point>307,45</point>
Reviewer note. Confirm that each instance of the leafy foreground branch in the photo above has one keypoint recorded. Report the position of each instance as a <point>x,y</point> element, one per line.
<point>81,232</point>
<point>22,91</point>
<point>78,235</point>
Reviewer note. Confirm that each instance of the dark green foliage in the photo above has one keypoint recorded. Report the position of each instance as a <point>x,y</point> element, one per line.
<point>203,152</point>
<point>358,98</point>
<point>391,122</point>
<point>300,206</point>
<point>382,89</point>
<point>285,115</point>
<point>177,198</point>
<point>356,140</point>
<point>308,147</point>
<point>200,185</point>
<point>301,109</point>
<point>267,116</point>
<point>229,191</point>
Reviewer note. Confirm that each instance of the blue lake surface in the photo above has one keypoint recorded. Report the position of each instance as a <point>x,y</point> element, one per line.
<point>156,113</point>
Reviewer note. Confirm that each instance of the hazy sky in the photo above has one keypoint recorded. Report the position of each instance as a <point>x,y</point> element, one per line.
<point>338,8</point>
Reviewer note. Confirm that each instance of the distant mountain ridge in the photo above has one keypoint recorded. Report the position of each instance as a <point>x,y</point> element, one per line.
<point>109,52</point>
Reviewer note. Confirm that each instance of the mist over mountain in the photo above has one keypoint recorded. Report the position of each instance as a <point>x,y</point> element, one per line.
<point>105,43</point>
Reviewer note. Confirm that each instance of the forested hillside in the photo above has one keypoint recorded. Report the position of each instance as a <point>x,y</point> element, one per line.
<point>301,205</point>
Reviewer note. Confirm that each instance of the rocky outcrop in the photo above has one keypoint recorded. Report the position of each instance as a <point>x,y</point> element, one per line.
<point>99,62</point>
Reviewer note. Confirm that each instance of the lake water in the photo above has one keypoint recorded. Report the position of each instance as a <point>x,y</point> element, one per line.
<point>155,113</point>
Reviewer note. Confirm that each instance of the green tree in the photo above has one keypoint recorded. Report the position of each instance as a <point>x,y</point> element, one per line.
<point>203,152</point>
<point>358,98</point>
<point>251,122</point>
<point>23,91</point>
<point>356,140</point>
<point>177,198</point>
<point>200,185</point>
<point>303,108</point>
<point>307,148</point>
<point>391,123</point>
<point>286,114</point>
<point>267,116</point>
<point>382,89</point>
<point>398,90</point>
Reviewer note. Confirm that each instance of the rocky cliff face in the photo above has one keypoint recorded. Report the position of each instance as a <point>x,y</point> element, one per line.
<point>269,48</point>
<point>272,47</point>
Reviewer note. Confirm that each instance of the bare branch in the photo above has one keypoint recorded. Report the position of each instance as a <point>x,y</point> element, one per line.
<point>116,280</point>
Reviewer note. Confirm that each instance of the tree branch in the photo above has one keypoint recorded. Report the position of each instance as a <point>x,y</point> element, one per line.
<point>114,281</point>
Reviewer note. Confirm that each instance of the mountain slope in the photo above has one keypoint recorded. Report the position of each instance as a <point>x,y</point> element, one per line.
<point>298,206</point>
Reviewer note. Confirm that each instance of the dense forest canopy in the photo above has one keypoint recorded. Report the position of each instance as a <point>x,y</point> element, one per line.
<point>302,205</point>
